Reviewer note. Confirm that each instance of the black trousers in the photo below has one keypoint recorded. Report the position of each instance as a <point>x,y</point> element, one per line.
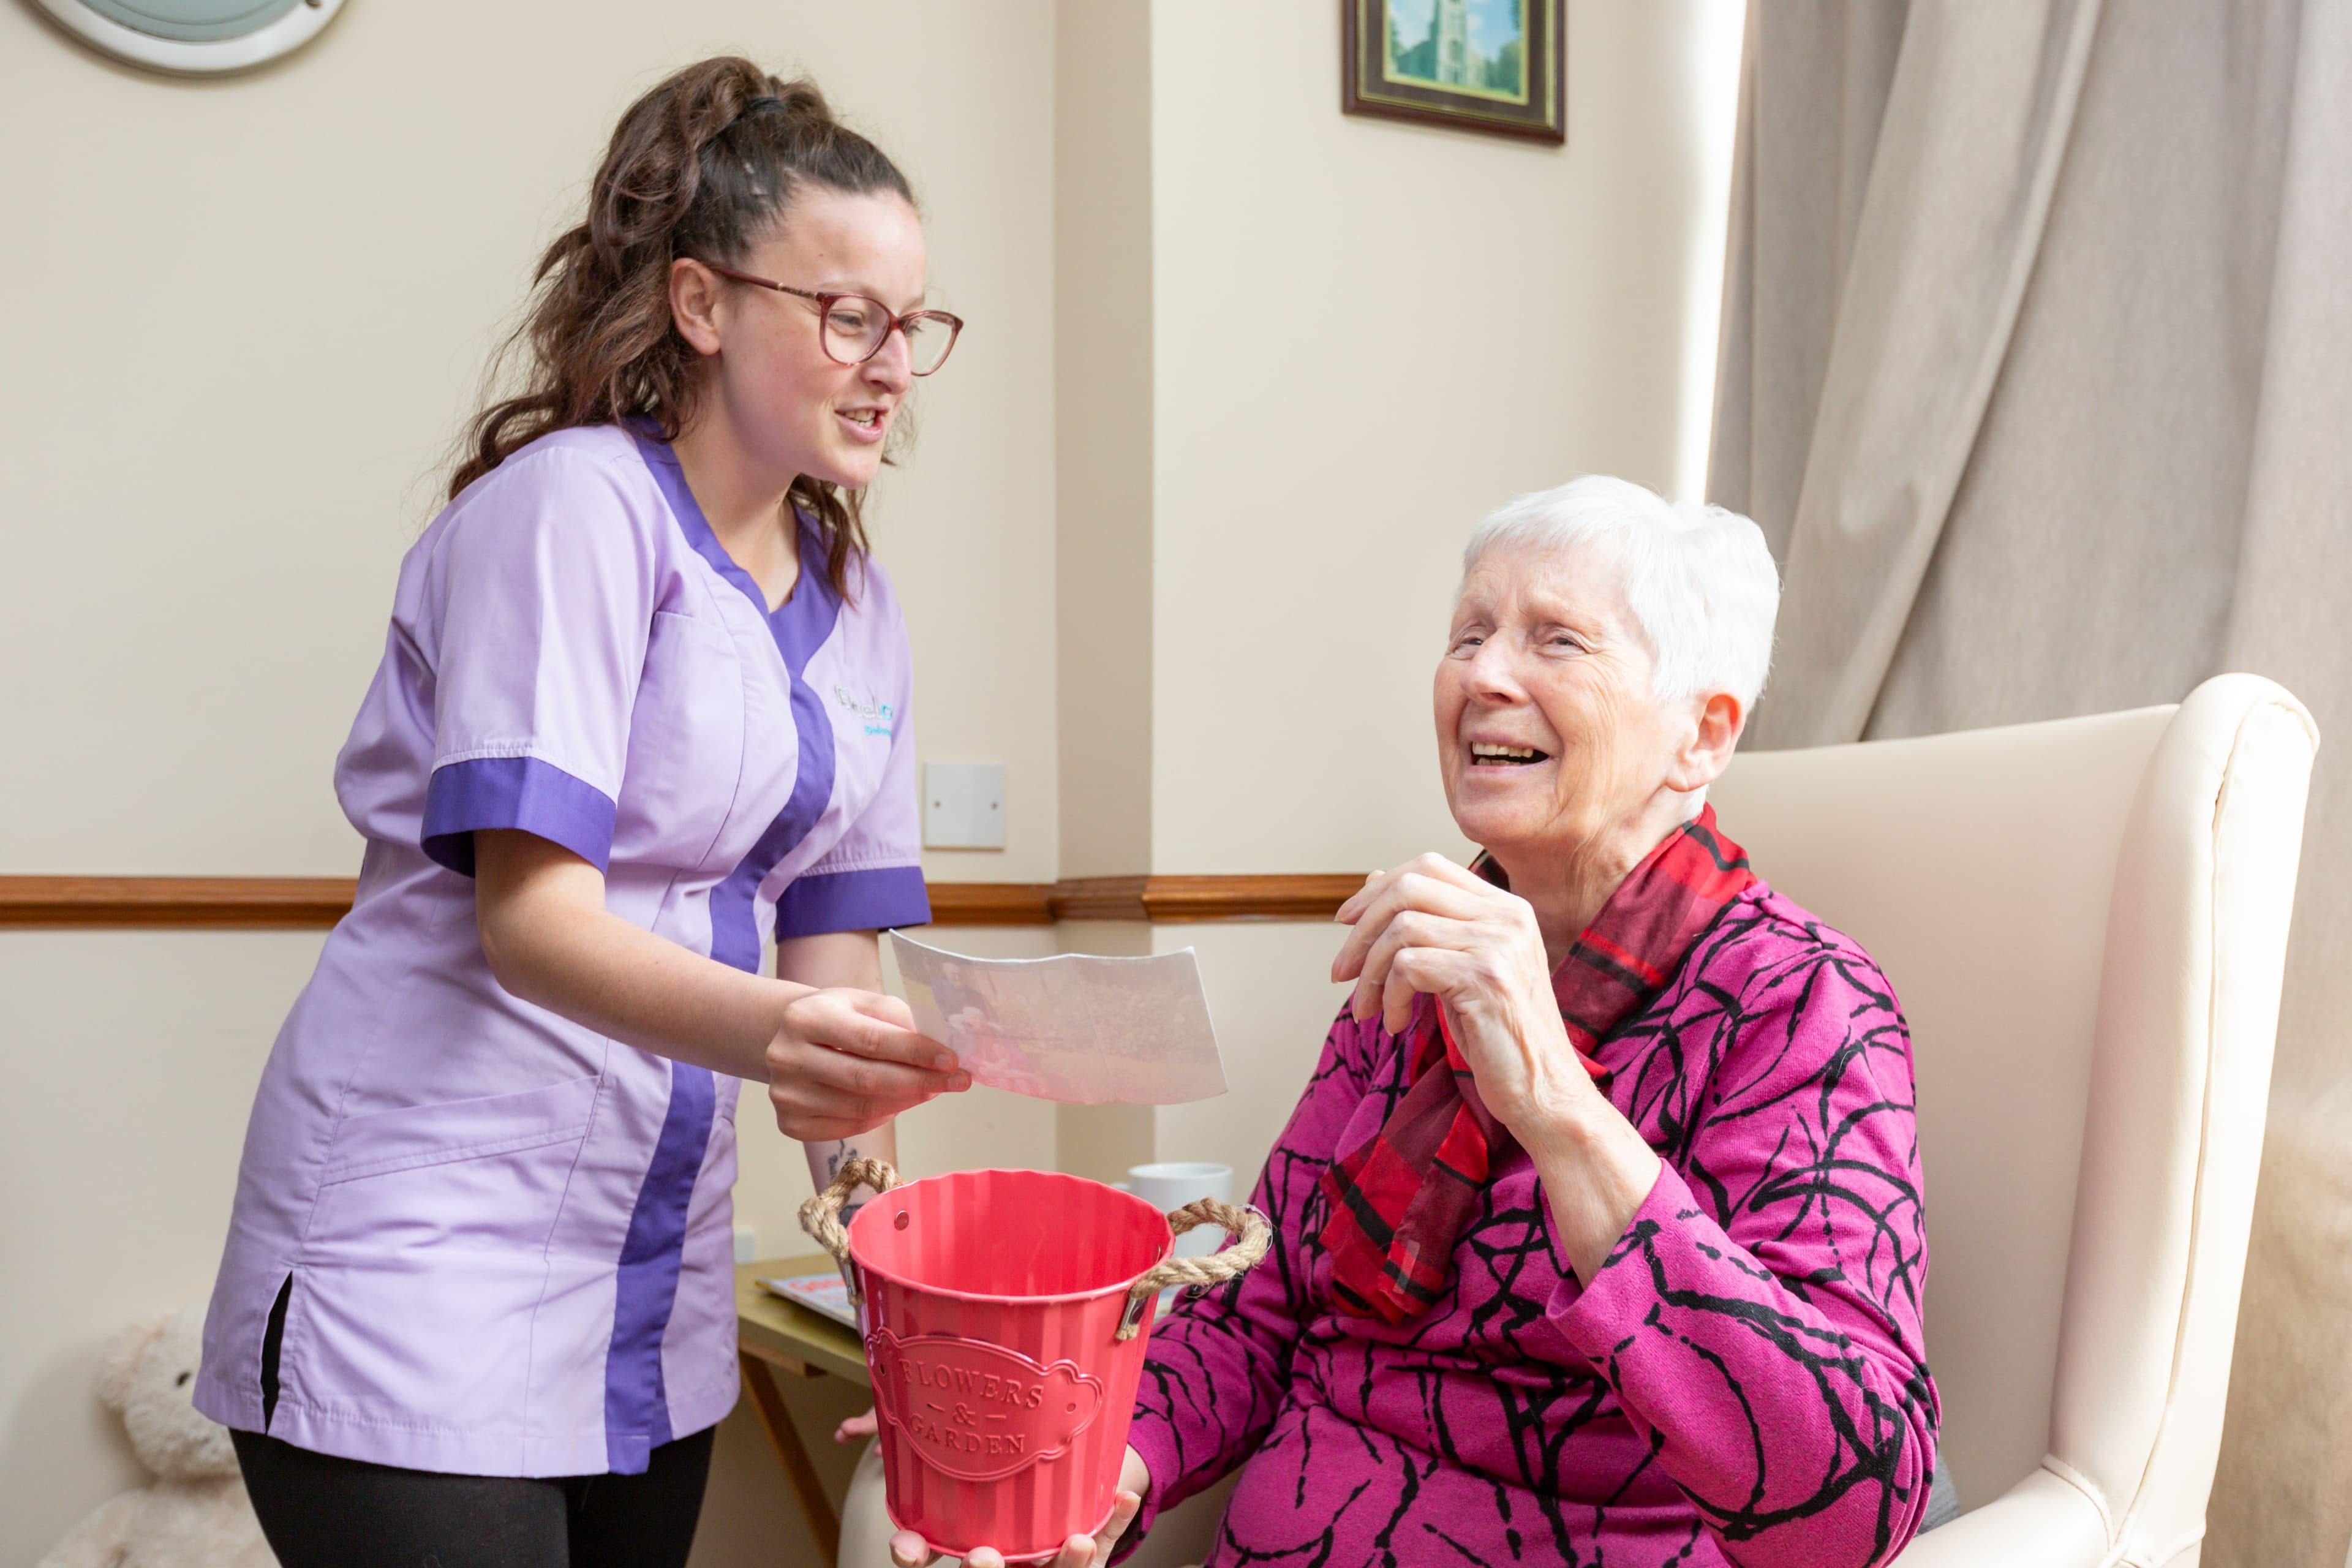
<point>319,1512</point>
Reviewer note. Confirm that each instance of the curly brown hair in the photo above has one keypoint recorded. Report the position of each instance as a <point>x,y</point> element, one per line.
<point>704,165</point>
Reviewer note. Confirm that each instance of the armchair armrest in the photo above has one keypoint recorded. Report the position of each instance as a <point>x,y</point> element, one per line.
<point>2042,1522</point>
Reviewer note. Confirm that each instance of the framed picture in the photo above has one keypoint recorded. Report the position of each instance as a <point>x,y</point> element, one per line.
<point>1496,66</point>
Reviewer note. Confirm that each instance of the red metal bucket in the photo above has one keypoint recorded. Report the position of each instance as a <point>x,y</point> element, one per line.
<point>1004,1317</point>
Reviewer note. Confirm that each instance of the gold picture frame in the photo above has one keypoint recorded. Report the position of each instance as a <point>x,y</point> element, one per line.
<point>1493,66</point>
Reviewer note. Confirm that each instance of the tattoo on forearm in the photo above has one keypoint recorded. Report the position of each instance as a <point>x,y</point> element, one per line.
<point>837,1155</point>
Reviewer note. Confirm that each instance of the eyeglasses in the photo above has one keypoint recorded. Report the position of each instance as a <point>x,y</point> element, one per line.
<point>852,329</point>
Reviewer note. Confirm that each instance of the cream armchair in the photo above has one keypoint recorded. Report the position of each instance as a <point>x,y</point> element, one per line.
<point>2086,923</point>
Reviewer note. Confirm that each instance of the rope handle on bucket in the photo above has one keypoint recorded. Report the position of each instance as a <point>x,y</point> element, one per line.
<point>821,1216</point>
<point>1255,1235</point>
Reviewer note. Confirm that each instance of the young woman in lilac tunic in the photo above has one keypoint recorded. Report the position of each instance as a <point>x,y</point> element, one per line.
<point>1598,1232</point>
<point>645,703</point>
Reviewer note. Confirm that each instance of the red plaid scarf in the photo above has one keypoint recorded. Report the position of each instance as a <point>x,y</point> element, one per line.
<point>1399,1199</point>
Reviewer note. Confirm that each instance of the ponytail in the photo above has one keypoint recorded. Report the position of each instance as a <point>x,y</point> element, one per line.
<point>705,165</point>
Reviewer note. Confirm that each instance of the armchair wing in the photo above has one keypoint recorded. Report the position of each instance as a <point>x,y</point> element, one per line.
<point>2089,942</point>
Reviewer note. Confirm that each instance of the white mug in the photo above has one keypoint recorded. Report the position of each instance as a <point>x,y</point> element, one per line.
<point>1171,1184</point>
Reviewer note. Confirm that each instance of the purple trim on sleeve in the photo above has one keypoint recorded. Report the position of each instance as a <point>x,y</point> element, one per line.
<point>513,792</point>
<point>872,900</point>
<point>800,626</point>
<point>637,1401</point>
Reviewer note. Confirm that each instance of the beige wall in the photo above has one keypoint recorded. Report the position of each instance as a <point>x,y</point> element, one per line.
<point>250,312</point>
<point>1272,1006</point>
<point>1369,335</point>
<point>258,309</point>
<point>1103,402</point>
<point>130,1060</point>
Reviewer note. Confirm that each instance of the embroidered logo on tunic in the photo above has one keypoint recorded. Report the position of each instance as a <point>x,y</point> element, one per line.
<point>880,717</point>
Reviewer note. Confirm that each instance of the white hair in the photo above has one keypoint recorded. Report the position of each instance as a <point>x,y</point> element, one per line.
<point>1699,579</point>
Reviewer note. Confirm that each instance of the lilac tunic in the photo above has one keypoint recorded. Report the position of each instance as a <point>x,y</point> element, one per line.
<point>1741,1382</point>
<point>510,1239</point>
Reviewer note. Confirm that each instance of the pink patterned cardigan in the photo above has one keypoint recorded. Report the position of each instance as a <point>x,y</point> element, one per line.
<point>1742,1383</point>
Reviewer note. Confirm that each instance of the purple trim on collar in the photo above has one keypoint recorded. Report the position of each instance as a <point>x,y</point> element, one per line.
<point>872,900</point>
<point>812,605</point>
<point>513,792</point>
<point>636,1400</point>
<point>800,626</point>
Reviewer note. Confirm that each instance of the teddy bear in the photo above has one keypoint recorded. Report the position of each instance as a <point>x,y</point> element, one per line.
<point>196,1515</point>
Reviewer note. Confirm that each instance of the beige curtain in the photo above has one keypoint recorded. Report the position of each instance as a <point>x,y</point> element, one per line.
<point>2037,371</point>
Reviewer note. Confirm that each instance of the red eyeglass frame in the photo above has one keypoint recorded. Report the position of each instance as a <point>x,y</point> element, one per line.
<point>824,304</point>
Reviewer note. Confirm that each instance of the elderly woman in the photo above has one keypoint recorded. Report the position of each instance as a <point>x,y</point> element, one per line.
<point>1598,1230</point>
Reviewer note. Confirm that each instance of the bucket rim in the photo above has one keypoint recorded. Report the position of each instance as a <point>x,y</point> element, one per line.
<point>1118,1288</point>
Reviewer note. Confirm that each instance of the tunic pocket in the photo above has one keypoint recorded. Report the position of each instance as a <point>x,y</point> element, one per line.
<point>409,1136</point>
<point>479,1174</point>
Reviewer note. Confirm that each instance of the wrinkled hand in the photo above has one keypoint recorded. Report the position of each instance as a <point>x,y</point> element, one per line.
<point>910,1550</point>
<point>845,1061</point>
<point>1432,926</point>
<point>1436,927</point>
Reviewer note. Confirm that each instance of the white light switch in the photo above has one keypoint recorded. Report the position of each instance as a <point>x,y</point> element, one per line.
<point>963,806</point>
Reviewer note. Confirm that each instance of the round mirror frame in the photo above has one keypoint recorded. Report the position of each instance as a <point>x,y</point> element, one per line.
<point>179,58</point>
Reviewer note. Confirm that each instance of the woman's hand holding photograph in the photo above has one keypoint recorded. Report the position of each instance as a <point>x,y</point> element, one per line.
<point>844,1061</point>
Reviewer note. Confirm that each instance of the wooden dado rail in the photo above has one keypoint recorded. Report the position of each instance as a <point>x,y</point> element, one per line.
<point>255,903</point>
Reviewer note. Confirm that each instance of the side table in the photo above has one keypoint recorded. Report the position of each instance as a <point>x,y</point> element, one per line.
<point>778,1338</point>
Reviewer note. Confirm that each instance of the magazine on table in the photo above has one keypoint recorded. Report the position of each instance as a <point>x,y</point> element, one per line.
<point>825,1293</point>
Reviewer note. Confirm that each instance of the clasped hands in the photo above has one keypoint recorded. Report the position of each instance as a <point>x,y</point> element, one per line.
<point>1431,926</point>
